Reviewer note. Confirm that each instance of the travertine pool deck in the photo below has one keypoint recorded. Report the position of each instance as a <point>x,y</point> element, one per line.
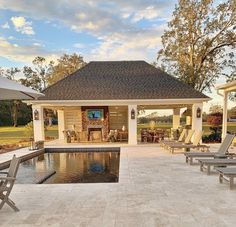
<point>156,188</point>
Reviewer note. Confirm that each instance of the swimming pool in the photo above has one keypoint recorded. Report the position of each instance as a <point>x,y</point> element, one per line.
<point>71,167</point>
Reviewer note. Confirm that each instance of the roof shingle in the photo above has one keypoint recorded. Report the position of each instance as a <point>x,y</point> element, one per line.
<point>118,80</point>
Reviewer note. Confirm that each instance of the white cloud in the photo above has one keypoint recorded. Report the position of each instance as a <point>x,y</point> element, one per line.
<point>37,44</point>
<point>22,26</point>
<point>11,37</point>
<point>93,16</point>
<point>79,45</point>
<point>24,53</point>
<point>148,13</point>
<point>5,26</point>
<point>122,46</point>
<point>114,23</point>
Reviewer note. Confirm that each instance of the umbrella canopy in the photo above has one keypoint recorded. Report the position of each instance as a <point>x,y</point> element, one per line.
<point>12,90</point>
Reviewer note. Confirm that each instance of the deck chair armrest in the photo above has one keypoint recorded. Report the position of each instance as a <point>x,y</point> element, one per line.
<point>3,172</point>
<point>220,156</point>
<point>8,178</point>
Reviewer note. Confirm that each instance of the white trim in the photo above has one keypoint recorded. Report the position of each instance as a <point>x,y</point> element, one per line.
<point>117,102</point>
<point>228,86</point>
<point>225,110</point>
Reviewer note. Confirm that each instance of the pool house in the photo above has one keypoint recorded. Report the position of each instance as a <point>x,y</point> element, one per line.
<point>101,101</point>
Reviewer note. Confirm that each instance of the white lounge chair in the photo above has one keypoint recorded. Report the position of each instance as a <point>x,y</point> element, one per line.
<point>187,140</point>
<point>195,145</point>
<point>164,143</point>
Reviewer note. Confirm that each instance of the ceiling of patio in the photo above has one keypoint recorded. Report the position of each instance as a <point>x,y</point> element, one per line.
<point>156,107</point>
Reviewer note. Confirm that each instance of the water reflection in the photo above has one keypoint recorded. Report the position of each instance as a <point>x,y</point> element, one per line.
<point>82,167</point>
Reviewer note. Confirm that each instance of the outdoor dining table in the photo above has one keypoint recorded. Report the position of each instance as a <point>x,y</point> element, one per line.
<point>152,135</point>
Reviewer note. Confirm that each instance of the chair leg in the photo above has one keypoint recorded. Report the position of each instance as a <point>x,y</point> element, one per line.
<point>1,204</point>
<point>9,202</point>
<point>12,205</point>
<point>231,182</point>
<point>191,161</point>
<point>221,178</point>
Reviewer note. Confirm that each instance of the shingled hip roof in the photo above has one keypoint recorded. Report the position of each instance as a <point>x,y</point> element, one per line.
<point>120,80</point>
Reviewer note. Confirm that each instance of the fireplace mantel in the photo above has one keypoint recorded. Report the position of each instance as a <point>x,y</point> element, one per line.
<point>94,126</point>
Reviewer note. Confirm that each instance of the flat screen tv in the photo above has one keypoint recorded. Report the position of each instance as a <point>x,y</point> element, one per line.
<point>95,114</point>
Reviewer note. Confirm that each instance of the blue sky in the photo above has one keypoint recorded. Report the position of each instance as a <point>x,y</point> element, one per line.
<point>98,30</point>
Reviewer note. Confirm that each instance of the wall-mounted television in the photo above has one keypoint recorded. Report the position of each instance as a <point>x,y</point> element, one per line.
<point>93,114</point>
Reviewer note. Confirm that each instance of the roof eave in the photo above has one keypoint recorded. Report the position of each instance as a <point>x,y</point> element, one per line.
<point>227,86</point>
<point>119,102</point>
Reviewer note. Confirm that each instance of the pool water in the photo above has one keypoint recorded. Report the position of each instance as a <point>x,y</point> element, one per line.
<point>71,167</point>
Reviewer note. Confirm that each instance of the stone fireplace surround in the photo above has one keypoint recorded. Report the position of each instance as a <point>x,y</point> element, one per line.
<point>89,125</point>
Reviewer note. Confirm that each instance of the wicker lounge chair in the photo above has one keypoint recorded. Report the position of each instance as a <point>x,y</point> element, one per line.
<point>195,145</point>
<point>164,143</point>
<point>221,152</point>
<point>187,140</point>
<point>207,163</point>
<point>227,174</point>
<point>7,183</point>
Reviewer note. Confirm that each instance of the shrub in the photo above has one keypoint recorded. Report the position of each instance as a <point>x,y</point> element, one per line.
<point>215,120</point>
<point>29,132</point>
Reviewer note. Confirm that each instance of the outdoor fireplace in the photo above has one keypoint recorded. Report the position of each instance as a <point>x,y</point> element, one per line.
<point>95,132</point>
<point>99,127</point>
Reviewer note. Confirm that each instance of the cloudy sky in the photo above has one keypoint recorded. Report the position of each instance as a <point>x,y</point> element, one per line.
<point>98,30</point>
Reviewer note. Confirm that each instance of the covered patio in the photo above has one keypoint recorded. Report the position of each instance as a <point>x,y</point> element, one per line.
<point>101,101</point>
<point>224,90</point>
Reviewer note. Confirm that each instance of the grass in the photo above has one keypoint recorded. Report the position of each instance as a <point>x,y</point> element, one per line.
<point>11,135</point>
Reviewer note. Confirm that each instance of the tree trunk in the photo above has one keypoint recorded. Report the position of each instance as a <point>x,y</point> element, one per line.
<point>15,113</point>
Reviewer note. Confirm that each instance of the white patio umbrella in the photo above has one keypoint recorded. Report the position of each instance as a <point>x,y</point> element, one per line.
<point>12,90</point>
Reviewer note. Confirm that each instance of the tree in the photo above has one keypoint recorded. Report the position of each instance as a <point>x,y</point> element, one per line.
<point>231,77</point>
<point>37,76</point>
<point>215,109</point>
<point>11,73</point>
<point>200,41</point>
<point>232,112</point>
<point>66,65</point>
<point>1,71</point>
<point>43,70</point>
<point>13,105</point>
<point>31,79</point>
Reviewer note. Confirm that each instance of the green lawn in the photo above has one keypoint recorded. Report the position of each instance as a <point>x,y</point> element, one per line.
<point>10,135</point>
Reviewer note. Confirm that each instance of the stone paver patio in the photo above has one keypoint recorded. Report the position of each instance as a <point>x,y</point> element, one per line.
<point>155,189</point>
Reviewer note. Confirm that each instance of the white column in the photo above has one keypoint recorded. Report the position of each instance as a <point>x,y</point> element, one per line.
<point>38,123</point>
<point>132,125</point>
<point>61,123</point>
<point>196,120</point>
<point>176,118</point>
<point>225,108</point>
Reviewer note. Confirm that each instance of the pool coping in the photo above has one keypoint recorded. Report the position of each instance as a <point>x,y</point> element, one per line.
<point>23,158</point>
<point>81,149</point>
